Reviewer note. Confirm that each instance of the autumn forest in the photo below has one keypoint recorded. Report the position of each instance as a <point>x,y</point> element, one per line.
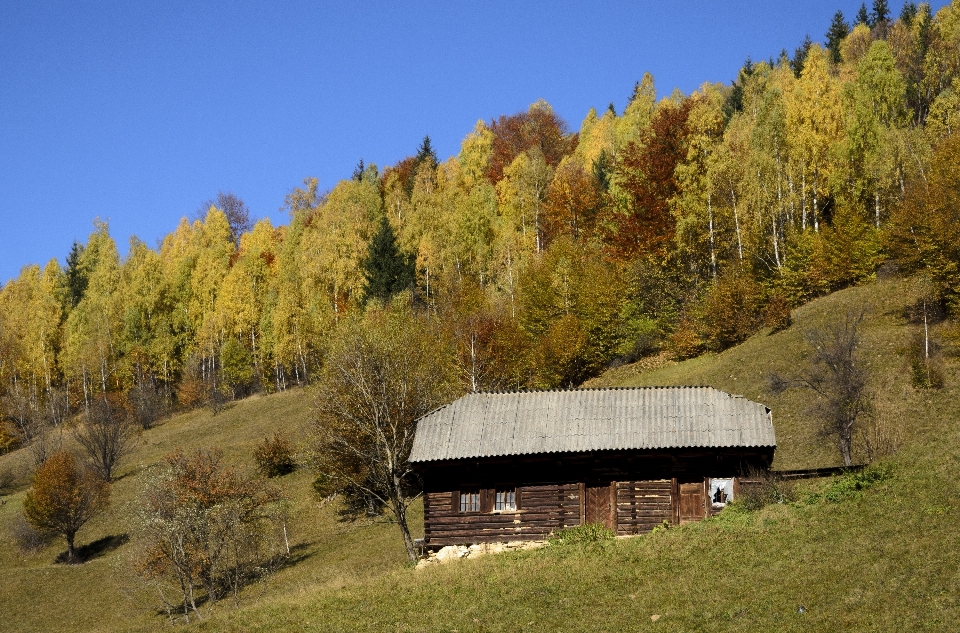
<point>540,254</point>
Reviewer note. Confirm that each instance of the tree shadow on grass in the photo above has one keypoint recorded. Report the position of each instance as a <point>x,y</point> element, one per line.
<point>93,550</point>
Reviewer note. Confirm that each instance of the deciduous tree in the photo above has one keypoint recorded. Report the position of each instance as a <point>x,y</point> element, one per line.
<point>63,498</point>
<point>381,375</point>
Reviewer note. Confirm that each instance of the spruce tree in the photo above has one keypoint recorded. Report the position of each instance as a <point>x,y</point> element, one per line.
<point>77,275</point>
<point>386,270</point>
<point>862,16</point>
<point>908,13</point>
<point>881,12</point>
<point>839,29</point>
<point>800,56</point>
<point>425,153</point>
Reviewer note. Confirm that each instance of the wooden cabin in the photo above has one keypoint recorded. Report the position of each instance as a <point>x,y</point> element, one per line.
<point>517,466</point>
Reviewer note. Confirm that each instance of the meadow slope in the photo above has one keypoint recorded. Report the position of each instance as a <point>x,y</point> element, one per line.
<point>884,559</point>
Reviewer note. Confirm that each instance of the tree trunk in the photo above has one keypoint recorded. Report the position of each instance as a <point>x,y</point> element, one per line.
<point>400,513</point>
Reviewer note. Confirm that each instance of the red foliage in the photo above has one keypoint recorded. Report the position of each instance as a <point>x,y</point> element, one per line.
<point>645,172</point>
<point>537,127</point>
<point>404,171</point>
<point>573,199</point>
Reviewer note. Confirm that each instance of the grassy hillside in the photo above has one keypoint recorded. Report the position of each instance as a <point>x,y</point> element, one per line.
<point>885,558</point>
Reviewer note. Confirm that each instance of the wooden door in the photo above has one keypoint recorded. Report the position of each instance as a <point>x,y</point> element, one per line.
<point>597,507</point>
<point>691,502</point>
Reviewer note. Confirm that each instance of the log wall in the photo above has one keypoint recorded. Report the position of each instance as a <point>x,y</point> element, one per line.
<point>540,510</point>
<point>643,505</point>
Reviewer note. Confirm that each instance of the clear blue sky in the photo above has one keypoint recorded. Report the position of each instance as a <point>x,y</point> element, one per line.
<point>136,112</point>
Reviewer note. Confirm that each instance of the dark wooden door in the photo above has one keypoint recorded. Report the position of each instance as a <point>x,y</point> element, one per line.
<point>691,502</point>
<point>597,505</point>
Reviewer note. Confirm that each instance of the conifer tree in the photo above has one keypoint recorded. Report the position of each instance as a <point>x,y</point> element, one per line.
<point>800,56</point>
<point>425,153</point>
<point>387,271</point>
<point>77,274</point>
<point>881,13</point>
<point>862,16</point>
<point>908,12</point>
<point>839,29</point>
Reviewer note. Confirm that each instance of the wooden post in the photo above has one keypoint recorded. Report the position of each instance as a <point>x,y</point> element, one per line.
<point>675,500</point>
<point>583,493</point>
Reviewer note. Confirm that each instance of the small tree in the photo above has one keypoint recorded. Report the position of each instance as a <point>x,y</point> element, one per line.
<point>205,529</point>
<point>380,377</point>
<point>107,436</point>
<point>839,379</point>
<point>63,498</point>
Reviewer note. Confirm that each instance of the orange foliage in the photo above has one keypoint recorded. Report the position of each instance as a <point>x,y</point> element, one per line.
<point>645,173</point>
<point>537,127</point>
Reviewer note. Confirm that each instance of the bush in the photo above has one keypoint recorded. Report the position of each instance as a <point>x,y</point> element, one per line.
<point>7,480</point>
<point>588,534</point>
<point>29,540</point>
<point>852,484</point>
<point>776,315</point>
<point>685,341</point>
<point>763,487</point>
<point>274,456</point>
<point>730,311</point>
<point>206,530</point>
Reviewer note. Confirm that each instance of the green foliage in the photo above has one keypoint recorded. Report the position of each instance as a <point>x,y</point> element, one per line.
<point>582,535</point>
<point>386,270</point>
<point>237,369</point>
<point>852,484</point>
<point>762,488</point>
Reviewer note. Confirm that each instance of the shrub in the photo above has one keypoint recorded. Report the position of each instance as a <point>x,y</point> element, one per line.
<point>588,534</point>
<point>730,311</point>
<point>7,480</point>
<point>776,315</point>
<point>274,456</point>
<point>29,540</point>
<point>685,341</point>
<point>207,530</point>
<point>851,484</point>
<point>192,392</point>
<point>763,487</point>
<point>926,364</point>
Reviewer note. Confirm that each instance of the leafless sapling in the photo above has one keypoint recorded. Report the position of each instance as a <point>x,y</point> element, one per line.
<point>839,379</point>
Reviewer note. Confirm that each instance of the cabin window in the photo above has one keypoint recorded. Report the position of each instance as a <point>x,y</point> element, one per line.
<point>721,492</point>
<point>470,501</point>
<point>505,500</point>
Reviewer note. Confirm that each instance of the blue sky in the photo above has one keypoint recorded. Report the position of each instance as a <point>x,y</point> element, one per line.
<point>136,112</point>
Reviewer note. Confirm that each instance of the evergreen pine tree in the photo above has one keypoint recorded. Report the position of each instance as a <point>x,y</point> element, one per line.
<point>881,13</point>
<point>800,56</point>
<point>387,271</point>
<point>862,16</point>
<point>358,171</point>
<point>908,13</point>
<point>734,102</point>
<point>839,29</point>
<point>77,275</point>
<point>425,153</point>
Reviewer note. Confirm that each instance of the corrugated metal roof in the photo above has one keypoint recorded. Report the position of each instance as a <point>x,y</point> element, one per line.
<point>528,422</point>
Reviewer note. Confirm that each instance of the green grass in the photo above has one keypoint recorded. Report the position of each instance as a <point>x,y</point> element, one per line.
<point>875,551</point>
